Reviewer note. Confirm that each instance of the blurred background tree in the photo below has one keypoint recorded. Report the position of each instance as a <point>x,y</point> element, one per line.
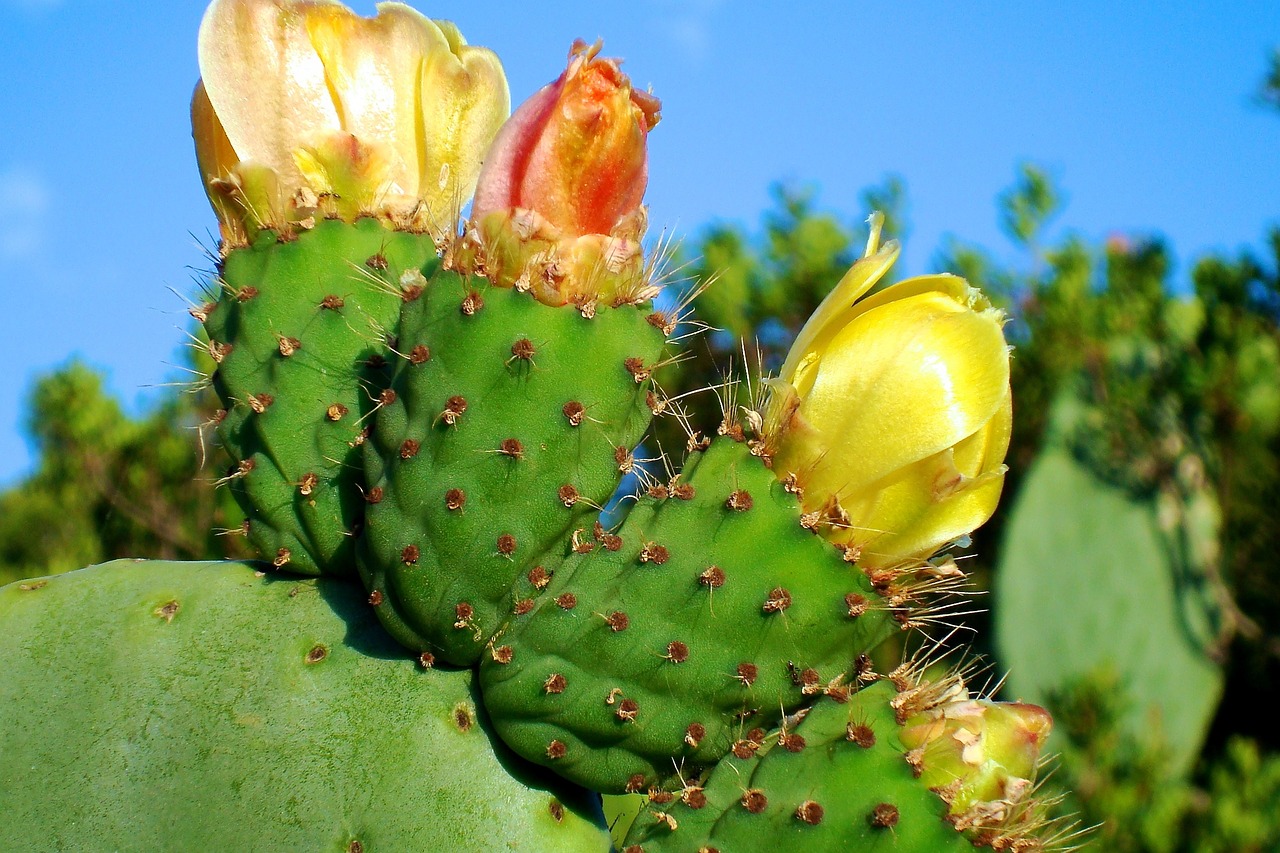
<point>1135,557</point>
<point>109,485</point>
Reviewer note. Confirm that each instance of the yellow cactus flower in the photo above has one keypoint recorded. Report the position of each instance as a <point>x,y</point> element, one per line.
<point>892,412</point>
<point>305,108</point>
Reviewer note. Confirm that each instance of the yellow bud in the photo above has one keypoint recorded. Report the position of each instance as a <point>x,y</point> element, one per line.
<point>893,412</point>
<point>388,115</point>
<point>979,755</point>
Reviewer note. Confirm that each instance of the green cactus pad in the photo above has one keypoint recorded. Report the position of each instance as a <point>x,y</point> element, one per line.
<point>710,613</point>
<point>1090,585</point>
<point>298,333</point>
<point>837,780</point>
<point>507,425</point>
<point>204,706</point>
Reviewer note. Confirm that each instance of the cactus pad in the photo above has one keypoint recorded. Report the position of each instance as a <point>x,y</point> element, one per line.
<point>506,423</point>
<point>709,613</point>
<point>298,334</point>
<point>837,777</point>
<point>203,706</point>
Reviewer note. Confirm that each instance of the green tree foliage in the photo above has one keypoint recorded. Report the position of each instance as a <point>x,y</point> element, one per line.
<point>1182,404</point>
<point>1124,789</point>
<point>1269,91</point>
<point>109,485</point>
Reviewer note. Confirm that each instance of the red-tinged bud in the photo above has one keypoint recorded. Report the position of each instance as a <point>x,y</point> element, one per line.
<point>571,163</point>
<point>574,153</point>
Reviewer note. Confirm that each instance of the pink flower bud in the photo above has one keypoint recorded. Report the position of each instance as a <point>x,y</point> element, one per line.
<point>575,153</point>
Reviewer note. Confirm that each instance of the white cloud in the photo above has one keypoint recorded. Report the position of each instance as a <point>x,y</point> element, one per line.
<point>689,24</point>
<point>24,209</point>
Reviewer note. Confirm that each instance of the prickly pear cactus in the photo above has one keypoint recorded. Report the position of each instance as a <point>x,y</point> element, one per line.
<point>857,774</point>
<point>506,424</point>
<point>161,706</point>
<point>298,331</point>
<point>670,638</point>
<point>1121,598</point>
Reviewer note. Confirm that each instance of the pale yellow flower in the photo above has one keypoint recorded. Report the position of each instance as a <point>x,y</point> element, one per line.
<point>305,108</point>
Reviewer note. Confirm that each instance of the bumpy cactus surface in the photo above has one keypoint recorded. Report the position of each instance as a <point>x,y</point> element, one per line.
<point>205,706</point>
<point>849,775</point>
<point>298,332</point>
<point>659,645</point>
<point>506,426</point>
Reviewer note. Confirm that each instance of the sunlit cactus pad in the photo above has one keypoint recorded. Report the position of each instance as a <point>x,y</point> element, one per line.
<point>507,425</point>
<point>298,331</point>
<point>660,644</point>
<point>204,706</point>
<point>840,777</point>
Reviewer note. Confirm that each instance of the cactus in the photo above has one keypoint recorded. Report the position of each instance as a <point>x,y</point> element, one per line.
<point>661,643</point>
<point>504,428</point>
<point>669,638</point>
<point>1123,597</point>
<point>152,705</point>
<point>330,203</point>
<point>448,406</point>
<point>298,334</point>
<point>861,772</point>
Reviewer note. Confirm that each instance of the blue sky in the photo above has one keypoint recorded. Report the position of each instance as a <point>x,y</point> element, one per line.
<point>1145,119</point>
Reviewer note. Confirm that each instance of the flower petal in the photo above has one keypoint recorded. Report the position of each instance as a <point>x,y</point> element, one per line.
<point>831,314</point>
<point>902,382</point>
<point>589,167</point>
<point>465,101</point>
<point>372,67</point>
<point>914,511</point>
<point>499,185</point>
<point>264,79</point>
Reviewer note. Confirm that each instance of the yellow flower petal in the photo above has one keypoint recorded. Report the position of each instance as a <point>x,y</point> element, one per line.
<point>914,511</point>
<point>372,68</point>
<point>902,382</point>
<point>217,160</point>
<point>830,316</point>
<point>465,101</point>
<point>264,79</point>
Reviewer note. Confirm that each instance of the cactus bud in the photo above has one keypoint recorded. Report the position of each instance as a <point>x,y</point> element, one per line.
<point>351,116</point>
<point>978,755</point>
<point>557,207</point>
<point>892,411</point>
